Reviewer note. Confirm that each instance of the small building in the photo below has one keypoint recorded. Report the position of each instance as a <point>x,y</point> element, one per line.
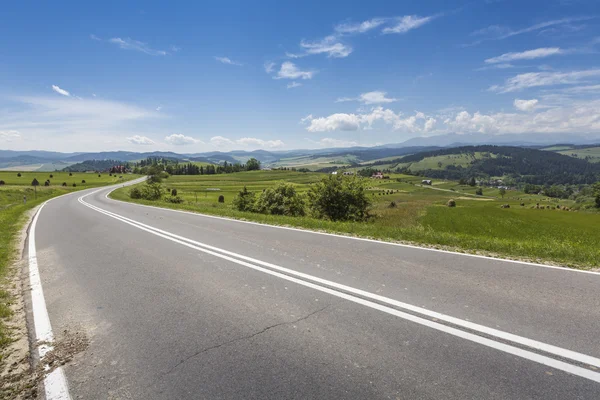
<point>426,182</point>
<point>377,175</point>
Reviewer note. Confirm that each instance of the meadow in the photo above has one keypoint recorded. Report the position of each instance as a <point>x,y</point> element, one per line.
<point>13,216</point>
<point>419,215</point>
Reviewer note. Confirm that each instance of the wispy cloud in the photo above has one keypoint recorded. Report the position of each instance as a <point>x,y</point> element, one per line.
<point>293,85</point>
<point>359,27</point>
<point>537,79</point>
<point>180,140</point>
<point>94,37</point>
<point>227,60</point>
<point>408,23</point>
<point>223,142</point>
<point>9,136</point>
<point>499,32</point>
<point>140,140</point>
<point>583,89</point>
<point>526,55</point>
<point>289,70</point>
<point>60,91</point>
<point>136,45</point>
<point>270,67</point>
<point>376,97</point>
<point>330,45</point>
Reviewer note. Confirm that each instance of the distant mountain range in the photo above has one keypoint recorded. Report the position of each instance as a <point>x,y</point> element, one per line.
<point>13,159</point>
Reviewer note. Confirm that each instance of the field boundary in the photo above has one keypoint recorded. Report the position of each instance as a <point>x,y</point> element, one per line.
<point>412,246</point>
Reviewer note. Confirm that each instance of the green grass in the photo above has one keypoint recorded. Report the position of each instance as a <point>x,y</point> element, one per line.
<point>591,153</point>
<point>314,163</point>
<point>12,218</point>
<point>441,162</point>
<point>477,224</point>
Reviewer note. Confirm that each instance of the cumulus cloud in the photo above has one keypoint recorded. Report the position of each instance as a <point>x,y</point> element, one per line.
<point>407,23</point>
<point>334,122</point>
<point>136,45</point>
<point>9,136</point>
<point>526,55</point>
<point>140,140</point>
<point>60,91</point>
<point>220,141</point>
<point>289,70</point>
<point>360,27</point>
<point>376,97</point>
<point>525,105</point>
<point>537,79</point>
<point>178,139</point>
<point>227,60</point>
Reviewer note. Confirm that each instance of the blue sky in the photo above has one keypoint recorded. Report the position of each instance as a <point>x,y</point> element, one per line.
<point>200,76</point>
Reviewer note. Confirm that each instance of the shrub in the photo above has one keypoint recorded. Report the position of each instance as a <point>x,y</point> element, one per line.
<point>281,199</point>
<point>135,193</point>
<point>2,183</point>
<point>392,204</point>
<point>173,192</point>
<point>244,200</point>
<point>151,191</point>
<point>74,185</point>
<point>83,181</point>
<point>221,199</point>
<point>339,198</point>
<point>451,203</point>
<point>19,174</point>
<point>479,192</point>
<point>174,199</point>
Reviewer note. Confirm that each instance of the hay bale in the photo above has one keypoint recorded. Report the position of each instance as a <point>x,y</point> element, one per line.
<point>451,203</point>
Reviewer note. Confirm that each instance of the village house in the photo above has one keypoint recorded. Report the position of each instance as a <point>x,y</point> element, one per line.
<point>377,175</point>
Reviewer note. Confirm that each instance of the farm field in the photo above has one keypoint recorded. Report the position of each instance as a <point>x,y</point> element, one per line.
<point>13,210</point>
<point>314,163</point>
<point>591,153</point>
<point>477,224</point>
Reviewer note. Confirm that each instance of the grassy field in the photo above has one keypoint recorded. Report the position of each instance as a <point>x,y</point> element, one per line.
<point>314,163</point>
<point>592,152</point>
<point>477,224</point>
<point>13,216</point>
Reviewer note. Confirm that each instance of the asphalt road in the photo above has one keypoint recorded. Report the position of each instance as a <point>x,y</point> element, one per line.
<point>183,306</point>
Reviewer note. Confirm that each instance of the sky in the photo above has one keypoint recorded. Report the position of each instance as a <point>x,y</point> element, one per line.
<point>202,76</point>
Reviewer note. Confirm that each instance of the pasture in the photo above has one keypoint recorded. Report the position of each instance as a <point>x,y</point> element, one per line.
<point>12,178</point>
<point>419,215</point>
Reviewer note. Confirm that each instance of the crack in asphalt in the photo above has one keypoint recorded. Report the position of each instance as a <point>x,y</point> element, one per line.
<point>242,338</point>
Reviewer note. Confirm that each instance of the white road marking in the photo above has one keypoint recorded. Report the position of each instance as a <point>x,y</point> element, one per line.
<point>285,274</point>
<point>410,246</point>
<point>55,383</point>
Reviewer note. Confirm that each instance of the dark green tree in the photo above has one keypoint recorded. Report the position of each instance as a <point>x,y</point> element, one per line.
<point>244,200</point>
<point>253,164</point>
<point>281,199</point>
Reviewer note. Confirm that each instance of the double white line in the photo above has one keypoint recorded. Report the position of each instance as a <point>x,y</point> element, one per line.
<point>556,357</point>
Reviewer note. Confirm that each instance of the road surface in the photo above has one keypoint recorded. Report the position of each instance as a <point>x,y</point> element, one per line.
<point>184,306</point>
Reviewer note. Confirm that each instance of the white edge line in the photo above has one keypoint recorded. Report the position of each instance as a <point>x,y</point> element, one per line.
<point>557,364</point>
<point>354,237</point>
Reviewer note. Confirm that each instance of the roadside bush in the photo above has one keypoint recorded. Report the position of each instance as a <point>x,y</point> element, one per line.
<point>339,198</point>
<point>174,199</point>
<point>151,191</point>
<point>479,192</point>
<point>244,200</point>
<point>135,193</point>
<point>221,199</point>
<point>173,192</point>
<point>281,199</point>
<point>451,203</point>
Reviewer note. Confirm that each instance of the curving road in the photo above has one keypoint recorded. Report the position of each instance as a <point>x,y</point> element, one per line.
<point>185,306</point>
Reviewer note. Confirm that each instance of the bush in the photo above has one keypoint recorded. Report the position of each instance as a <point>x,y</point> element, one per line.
<point>83,181</point>
<point>479,192</point>
<point>174,199</point>
<point>135,193</point>
<point>282,199</point>
<point>151,191</point>
<point>339,198</point>
<point>451,203</point>
<point>244,200</point>
<point>173,192</point>
<point>221,199</point>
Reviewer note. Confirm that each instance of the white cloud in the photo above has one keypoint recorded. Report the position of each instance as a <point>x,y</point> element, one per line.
<point>331,142</point>
<point>227,60</point>
<point>537,79</point>
<point>525,105</point>
<point>175,49</point>
<point>60,91</point>
<point>334,122</point>
<point>583,89</point>
<point>9,136</point>
<point>360,27</point>
<point>376,97</point>
<point>407,23</point>
<point>270,67</point>
<point>158,108</point>
<point>289,70</point>
<point>526,55</point>
<point>220,141</point>
<point>136,45</point>
<point>94,37</point>
<point>140,140</point>
<point>294,84</point>
<point>178,139</point>
<point>330,45</point>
